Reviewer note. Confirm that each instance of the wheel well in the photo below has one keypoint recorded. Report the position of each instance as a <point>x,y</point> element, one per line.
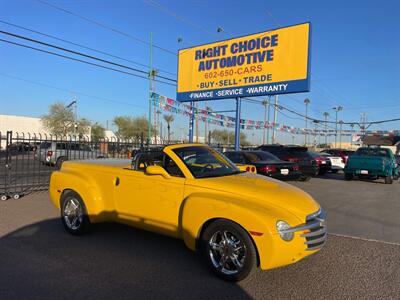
<point>62,194</point>
<point>210,221</point>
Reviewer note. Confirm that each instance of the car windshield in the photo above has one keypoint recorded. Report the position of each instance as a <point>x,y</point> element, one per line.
<point>260,156</point>
<point>314,154</point>
<point>372,152</point>
<point>206,162</point>
<point>325,154</point>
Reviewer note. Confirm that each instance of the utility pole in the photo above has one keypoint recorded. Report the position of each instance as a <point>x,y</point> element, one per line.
<point>275,119</point>
<point>336,109</point>
<point>326,115</point>
<point>306,102</point>
<point>150,88</point>
<point>340,134</point>
<point>153,88</point>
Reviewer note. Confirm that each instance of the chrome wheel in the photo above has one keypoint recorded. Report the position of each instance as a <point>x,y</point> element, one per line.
<point>227,252</point>
<point>73,213</point>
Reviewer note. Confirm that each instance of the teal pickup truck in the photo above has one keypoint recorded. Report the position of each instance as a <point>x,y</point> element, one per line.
<point>371,162</point>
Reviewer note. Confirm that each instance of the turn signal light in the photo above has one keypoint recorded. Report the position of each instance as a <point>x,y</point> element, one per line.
<point>247,169</point>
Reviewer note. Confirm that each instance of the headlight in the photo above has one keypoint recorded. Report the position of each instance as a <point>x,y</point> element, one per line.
<point>281,226</point>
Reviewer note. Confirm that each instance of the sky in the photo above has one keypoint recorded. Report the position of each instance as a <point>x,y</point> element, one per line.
<point>355,55</point>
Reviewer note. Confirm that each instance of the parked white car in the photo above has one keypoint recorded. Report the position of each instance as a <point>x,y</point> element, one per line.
<point>336,161</point>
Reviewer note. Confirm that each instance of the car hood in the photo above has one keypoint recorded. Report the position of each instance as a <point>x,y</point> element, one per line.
<point>264,191</point>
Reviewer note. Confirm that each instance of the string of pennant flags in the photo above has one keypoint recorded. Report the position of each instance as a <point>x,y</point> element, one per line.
<point>173,106</point>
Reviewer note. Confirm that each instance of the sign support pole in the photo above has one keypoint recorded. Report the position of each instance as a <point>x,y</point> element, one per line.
<point>237,124</point>
<point>191,123</point>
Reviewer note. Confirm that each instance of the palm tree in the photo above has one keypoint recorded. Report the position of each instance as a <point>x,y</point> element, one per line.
<point>169,119</point>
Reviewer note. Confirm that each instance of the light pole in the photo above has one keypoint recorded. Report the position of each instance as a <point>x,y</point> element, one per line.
<point>336,109</point>
<point>340,134</point>
<point>315,133</point>
<point>326,116</point>
<point>306,102</point>
<point>74,106</point>
<point>275,119</point>
<point>266,111</point>
<point>351,135</point>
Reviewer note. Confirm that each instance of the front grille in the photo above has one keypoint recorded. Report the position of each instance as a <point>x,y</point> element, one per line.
<point>317,235</point>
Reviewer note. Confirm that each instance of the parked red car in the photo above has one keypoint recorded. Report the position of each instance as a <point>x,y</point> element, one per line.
<point>267,164</point>
<point>344,154</point>
<point>323,163</point>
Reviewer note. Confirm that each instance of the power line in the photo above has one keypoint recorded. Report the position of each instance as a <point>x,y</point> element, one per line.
<point>71,91</point>
<point>82,54</point>
<point>80,60</point>
<point>84,47</point>
<point>105,26</point>
<point>173,14</point>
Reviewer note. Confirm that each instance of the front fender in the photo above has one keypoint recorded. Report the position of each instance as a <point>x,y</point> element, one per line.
<point>258,221</point>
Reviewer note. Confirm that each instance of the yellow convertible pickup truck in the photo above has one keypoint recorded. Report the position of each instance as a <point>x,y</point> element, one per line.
<point>238,220</point>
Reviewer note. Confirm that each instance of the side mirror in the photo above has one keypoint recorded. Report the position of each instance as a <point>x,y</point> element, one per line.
<point>157,170</point>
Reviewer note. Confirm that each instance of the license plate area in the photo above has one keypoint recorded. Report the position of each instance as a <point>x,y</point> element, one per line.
<point>364,172</point>
<point>285,171</point>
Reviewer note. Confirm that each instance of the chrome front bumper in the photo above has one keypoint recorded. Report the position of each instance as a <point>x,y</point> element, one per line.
<point>316,230</point>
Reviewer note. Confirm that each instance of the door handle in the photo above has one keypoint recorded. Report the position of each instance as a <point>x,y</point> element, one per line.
<point>117,181</point>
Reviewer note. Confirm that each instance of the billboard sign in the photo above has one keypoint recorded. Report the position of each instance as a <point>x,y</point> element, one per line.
<point>266,63</point>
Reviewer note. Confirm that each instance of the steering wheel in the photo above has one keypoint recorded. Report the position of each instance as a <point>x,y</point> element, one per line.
<point>207,167</point>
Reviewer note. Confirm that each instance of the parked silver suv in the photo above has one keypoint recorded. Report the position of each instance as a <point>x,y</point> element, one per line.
<point>55,153</point>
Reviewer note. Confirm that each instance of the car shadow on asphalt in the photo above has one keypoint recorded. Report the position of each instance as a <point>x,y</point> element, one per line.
<point>113,261</point>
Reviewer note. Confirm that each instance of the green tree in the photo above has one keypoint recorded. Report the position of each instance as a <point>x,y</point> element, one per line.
<point>169,119</point>
<point>97,132</point>
<point>227,137</point>
<point>60,121</point>
<point>131,127</point>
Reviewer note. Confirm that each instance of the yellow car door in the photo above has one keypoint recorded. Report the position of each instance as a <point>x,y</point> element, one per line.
<point>150,202</point>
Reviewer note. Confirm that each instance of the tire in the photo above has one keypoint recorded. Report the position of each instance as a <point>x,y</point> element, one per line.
<point>60,161</point>
<point>321,172</point>
<point>335,171</point>
<point>74,215</point>
<point>305,178</point>
<point>389,179</point>
<point>232,245</point>
<point>348,176</point>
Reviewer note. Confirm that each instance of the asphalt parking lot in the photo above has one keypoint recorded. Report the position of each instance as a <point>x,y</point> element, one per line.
<point>38,260</point>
